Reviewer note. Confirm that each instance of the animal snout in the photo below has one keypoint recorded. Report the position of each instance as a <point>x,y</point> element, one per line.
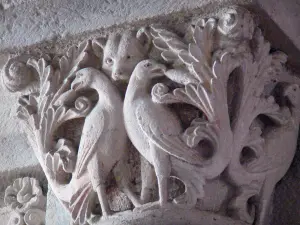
<point>119,75</point>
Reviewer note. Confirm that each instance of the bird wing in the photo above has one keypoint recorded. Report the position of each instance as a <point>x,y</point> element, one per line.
<point>172,144</point>
<point>92,130</point>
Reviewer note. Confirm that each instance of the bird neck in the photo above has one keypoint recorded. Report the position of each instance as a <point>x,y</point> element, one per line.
<point>105,89</point>
<point>99,84</point>
<point>137,88</point>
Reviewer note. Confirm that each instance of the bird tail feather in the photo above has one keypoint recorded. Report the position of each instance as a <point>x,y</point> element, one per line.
<point>194,183</point>
<point>80,204</point>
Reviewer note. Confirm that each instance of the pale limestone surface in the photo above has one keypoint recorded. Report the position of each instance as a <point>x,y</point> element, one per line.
<point>16,155</point>
<point>15,150</point>
<point>56,213</point>
<point>23,23</point>
<point>5,213</point>
<point>67,21</point>
<point>14,146</point>
<point>163,217</point>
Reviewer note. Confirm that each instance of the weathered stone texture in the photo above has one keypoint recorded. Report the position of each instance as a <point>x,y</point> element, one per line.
<point>212,116</point>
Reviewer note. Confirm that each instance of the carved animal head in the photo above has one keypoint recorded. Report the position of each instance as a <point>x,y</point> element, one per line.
<point>122,52</point>
<point>81,81</point>
<point>148,69</point>
<point>292,92</point>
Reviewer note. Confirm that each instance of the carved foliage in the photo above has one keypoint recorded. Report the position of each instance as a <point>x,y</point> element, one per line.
<point>225,69</point>
<point>231,48</point>
<point>26,199</point>
<point>48,106</point>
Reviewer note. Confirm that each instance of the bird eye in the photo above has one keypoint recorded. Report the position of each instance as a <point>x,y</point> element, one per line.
<point>109,61</point>
<point>128,57</point>
<point>148,64</point>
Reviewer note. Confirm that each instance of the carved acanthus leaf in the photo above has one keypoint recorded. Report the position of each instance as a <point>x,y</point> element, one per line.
<point>223,73</point>
<point>75,57</point>
<point>255,142</point>
<point>200,130</point>
<point>27,201</point>
<point>25,193</point>
<point>196,56</point>
<point>63,157</point>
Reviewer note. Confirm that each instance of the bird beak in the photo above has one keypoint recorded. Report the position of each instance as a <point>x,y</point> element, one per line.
<point>159,69</point>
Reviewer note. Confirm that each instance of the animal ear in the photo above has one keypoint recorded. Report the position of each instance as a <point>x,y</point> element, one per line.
<point>98,46</point>
<point>144,37</point>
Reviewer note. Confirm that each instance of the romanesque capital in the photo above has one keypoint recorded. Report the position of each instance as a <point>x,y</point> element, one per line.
<point>158,126</point>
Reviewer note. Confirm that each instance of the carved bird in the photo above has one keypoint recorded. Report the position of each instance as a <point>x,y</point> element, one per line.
<point>156,132</point>
<point>103,135</point>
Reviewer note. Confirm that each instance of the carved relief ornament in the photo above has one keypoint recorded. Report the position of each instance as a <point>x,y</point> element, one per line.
<point>26,199</point>
<point>216,105</point>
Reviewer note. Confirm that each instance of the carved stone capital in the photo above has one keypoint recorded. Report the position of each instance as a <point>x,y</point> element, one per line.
<point>159,121</point>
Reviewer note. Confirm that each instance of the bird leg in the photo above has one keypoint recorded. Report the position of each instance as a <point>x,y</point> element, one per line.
<point>162,166</point>
<point>163,190</point>
<point>98,179</point>
<point>148,180</point>
<point>133,198</point>
<point>101,192</point>
<point>122,176</point>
